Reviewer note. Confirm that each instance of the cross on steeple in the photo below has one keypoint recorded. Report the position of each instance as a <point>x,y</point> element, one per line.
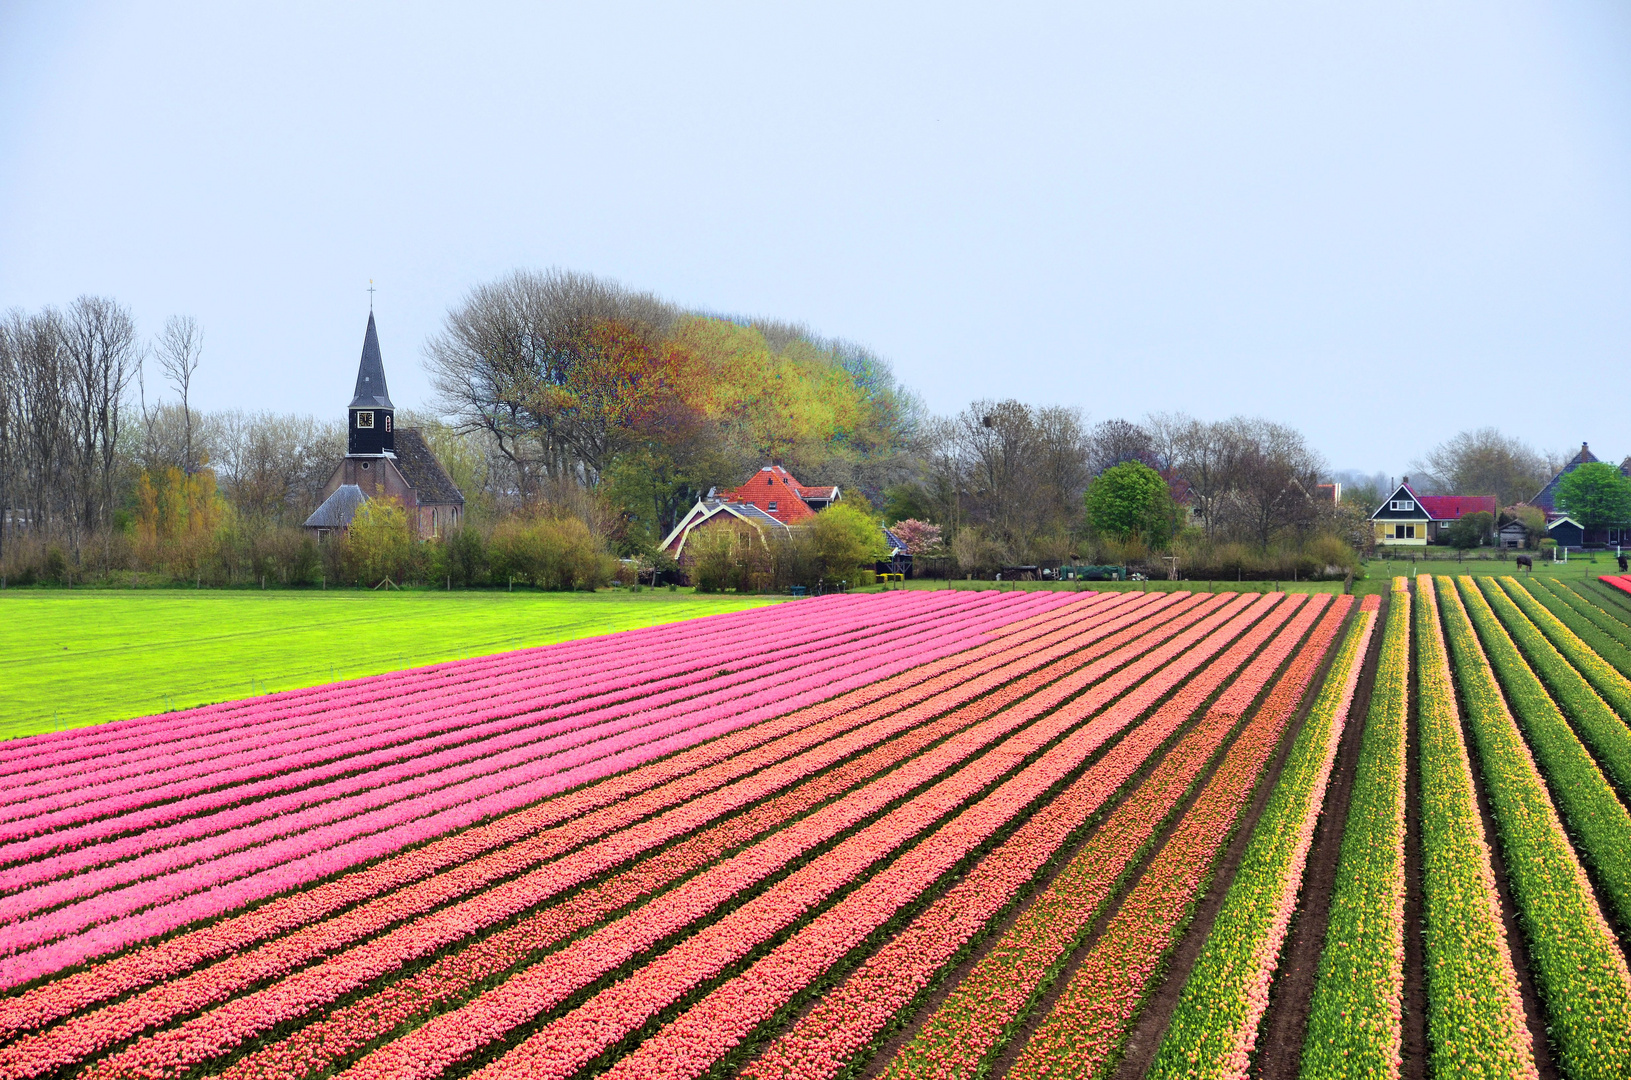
<point>370,296</point>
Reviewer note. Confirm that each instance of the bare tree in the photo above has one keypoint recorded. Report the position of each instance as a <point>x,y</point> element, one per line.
<point>1115,441</point>
<point>1484,462</point>
<point>1274,476</point>
<point>272,467</point>
<point>510,344</point>
<point>179,349</point>
<point>100,343</point>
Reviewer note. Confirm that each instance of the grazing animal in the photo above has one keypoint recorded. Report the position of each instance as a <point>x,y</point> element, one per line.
<point>1526,563</point>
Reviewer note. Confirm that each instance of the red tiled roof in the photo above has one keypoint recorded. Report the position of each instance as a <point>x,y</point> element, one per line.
<point>1452,507</point>
<point>773,490</point>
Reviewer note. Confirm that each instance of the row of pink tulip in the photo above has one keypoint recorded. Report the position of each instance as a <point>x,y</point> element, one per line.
<point>454,976</point>
<point>639,791</point>
<point>226,719</point>
<point>845,1020</point>
<point>224,1027</point>
<point>366,774</point>
<point>1088,1022</point>
<point>701,1036</point>
<point>329,841</point>
<point>995,746</point>
<point>979,1012</point>
<point>268,727</point>
<point>306,716</point>
<point>70,1041</point>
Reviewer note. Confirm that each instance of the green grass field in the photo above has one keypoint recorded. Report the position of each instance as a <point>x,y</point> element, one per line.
<point>71,658</point>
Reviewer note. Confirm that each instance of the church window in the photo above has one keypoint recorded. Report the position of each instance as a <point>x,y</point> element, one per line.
<point>365,420</point>
<point>387,421</point>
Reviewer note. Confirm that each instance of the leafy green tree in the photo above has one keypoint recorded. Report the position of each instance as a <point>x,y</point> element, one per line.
<point>1595,494</point>
<point>1129,500</point>
<point>846,540</point>
<point>379,544</point>
<point>1470,530</point>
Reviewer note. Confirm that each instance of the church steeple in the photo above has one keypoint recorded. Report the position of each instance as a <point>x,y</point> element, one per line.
<point>372,416</point>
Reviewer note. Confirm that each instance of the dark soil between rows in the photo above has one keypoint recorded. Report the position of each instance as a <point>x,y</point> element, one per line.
<point>1280,1040</point>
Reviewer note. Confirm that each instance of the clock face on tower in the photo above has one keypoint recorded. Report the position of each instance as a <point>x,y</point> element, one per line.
<point>365,420</point>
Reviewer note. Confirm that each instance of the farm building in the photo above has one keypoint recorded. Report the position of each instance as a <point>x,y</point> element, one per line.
<point>1512,535</point>
<point>1408,519</point>
<point>383,461</point>
<point>771,501</point>
<point>1567,532</point>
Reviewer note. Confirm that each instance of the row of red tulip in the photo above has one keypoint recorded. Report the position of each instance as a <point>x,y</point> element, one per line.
<point>242,817</point>
<point>845,1020</point>
<point>1215,1025</point>
<point>1088,1021</point>
<point>209,889</point>
<point>452,977</point>
<point>425,707</point>
<point>1618,581</point>
<point>977,1015</point>
<point>1002,744</point>
<point>225,1027</point>
<point>868,714</point>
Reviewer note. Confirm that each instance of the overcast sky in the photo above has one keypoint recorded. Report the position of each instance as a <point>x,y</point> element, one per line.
<point>1380,222</point>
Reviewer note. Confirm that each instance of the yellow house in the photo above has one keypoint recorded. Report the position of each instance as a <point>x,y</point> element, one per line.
<point>1406,519</point>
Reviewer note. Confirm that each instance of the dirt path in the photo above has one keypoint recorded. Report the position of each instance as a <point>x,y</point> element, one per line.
<point>1280,1042</point>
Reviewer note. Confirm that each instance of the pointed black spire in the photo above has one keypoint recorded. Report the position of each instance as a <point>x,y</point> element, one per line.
<point>371,392</point>
<point>372,414</point>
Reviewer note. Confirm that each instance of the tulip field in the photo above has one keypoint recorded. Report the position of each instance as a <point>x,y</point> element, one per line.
<point>935,834</point>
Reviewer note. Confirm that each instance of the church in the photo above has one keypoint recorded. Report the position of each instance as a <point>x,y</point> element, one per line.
<point>383,461</point>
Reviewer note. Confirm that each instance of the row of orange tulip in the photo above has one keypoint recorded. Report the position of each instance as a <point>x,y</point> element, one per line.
<point>1215,1025</point>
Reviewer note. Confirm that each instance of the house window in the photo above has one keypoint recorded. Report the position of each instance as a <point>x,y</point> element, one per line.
<point>1401,504</point>
<point>772,505</point>
<point>365,419</point>
<point>1404,532</point>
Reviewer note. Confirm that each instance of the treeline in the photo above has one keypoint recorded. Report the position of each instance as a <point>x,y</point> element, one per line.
<point>582,420</point>
<point>1010,485</point>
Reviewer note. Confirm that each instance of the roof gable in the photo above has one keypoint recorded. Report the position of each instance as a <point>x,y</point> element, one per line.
<point>1546,498</point>
<point>1403,493</point>
<point>338,509</point>
<point>418,465</point>
<point>774,491</point>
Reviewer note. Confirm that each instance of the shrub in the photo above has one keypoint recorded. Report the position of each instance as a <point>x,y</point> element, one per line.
<point>550,553</point>
<point>379,545</point>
